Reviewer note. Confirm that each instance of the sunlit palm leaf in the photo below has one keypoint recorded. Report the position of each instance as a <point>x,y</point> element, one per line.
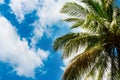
<point>92,23</point>
<point>73,9</point>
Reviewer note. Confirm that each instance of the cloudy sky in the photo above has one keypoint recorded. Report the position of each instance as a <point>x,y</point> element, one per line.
<point>27,31</point>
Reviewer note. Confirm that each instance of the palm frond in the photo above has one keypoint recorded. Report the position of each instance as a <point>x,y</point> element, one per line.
<point>92,23</point>
<point>98,67</point>
<point>61,41</point>
<point>71,19</point>
<point>80,64</point>
<point>108,3</point>
<point>94,6</point>
<point>109,8</point>
<point>103,22</point>
<point>77,24</point>
<point>102,67</point>
<point>118,11</point>
<point>73,9</point>
<point>74,44</point>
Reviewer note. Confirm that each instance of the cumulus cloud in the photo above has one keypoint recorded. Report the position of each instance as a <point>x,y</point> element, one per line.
<point>17,53</point>
<point>23,7</point>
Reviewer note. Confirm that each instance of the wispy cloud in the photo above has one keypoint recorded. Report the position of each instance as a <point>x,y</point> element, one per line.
<point>16,52</point>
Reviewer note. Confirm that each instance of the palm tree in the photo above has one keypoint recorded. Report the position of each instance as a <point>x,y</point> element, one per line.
<point>101,21</point>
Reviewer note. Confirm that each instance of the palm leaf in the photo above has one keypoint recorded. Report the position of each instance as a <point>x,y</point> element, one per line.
<point>98,67</point>
<point>73,9</point>
<point>102,67</point>
<point>77,24</point>
<point>59,42</point>
<point>71,19</point>
<point>74,44</point>
<point>80,64</point>
<point>92,23</point>
<point>94,6</point>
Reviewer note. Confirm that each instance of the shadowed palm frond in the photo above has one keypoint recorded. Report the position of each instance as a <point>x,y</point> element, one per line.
<point>71,19</point>
<point>102,66</point>
<point>80,64</point>
<point>99,68</point>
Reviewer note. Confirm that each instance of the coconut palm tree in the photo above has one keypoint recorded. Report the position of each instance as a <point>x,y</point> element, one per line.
<point>101,57</point>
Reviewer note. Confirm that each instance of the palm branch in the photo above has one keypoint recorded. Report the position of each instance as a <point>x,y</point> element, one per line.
<point>72,42</point>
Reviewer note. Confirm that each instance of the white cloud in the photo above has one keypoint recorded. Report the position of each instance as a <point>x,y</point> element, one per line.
<point>38,32</point>
<point>48,12</point>
<point>1,1</point>
<point>42,54</point>
<point>22,7</point>
<point>16,52</point>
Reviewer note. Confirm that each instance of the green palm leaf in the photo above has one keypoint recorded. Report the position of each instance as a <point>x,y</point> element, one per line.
<point>73,45</point>
<point>73,9</point>
<point>61,41</point>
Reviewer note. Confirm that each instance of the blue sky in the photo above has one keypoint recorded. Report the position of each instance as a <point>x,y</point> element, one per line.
<point>27,30</point>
